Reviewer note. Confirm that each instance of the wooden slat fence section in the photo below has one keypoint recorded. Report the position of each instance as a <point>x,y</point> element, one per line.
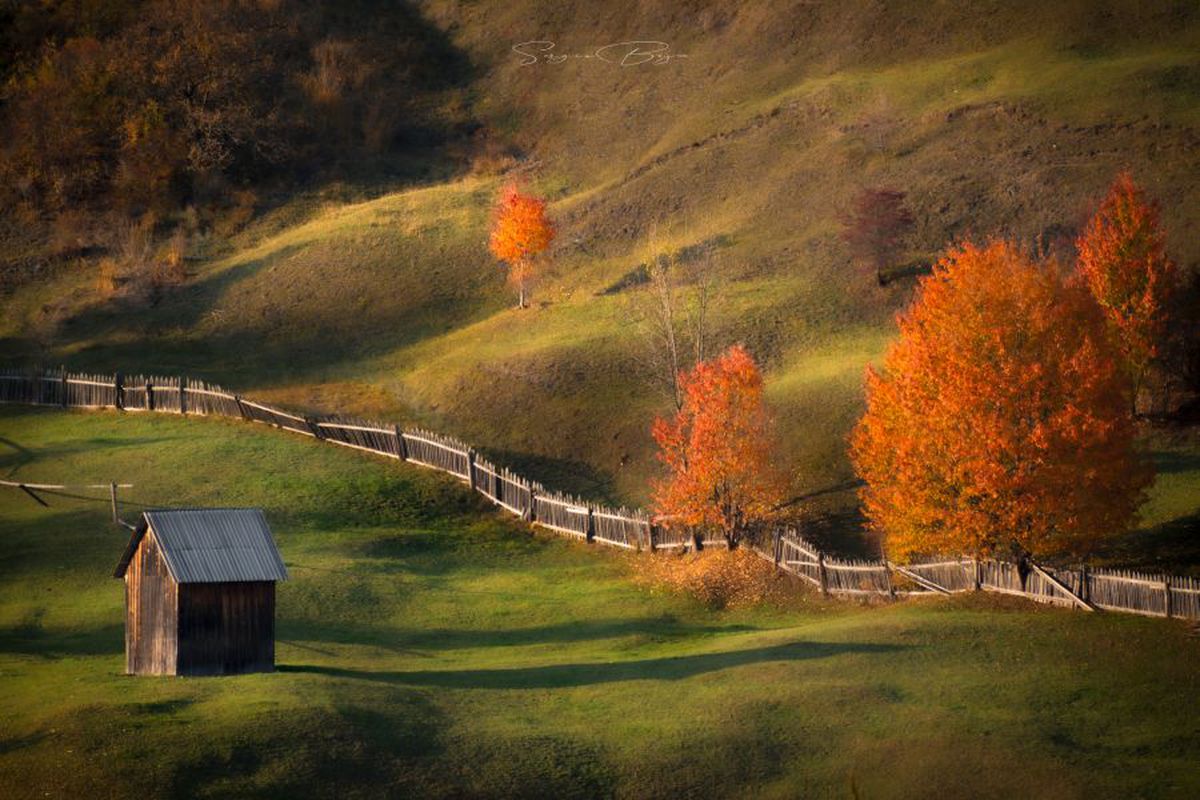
<point>673,537</point>
<point>1039,589</point>
<point>622,528</point>
<point>150,393</point>
<point>562,513</point>
<point>166,393</point>
<point>799,557</point>
<point>1138,592</point>
<point>259,412</point>
<point>440,452</point>
<point>505,488</point>
<point>952,575</point>
<point>1000,576</point>
<point>485,478</point>
<point>18,386</point>
<point>1185,597</point>
<point>1115,590</point>
<point>857,577</point>
<point>373,437</point>
<point>134,393</point>
<point>211,400</point>
<point>46,388</point>
<point>91,391</point>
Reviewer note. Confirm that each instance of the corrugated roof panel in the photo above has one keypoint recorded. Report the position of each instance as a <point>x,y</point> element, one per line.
<point>216,545</point>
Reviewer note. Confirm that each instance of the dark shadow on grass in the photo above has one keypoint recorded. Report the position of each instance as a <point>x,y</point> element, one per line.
<point>21,456</point>
<point>412,642</point>
<point>20,743</point>
<point>84,540</point>
<point>1173,461</point>
<point>1170,547</point>
<point>33,640</point>
<point>565,475</point>
<point>568,675</point>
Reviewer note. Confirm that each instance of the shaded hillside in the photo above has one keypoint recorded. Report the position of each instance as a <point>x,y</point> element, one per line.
<point>113,111</point>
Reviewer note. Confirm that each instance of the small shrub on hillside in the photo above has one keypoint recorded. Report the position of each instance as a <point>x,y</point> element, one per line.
<point>240,212</point>
<point>108,277</point>
<point>876,227</point>
<point>169,269</point>
<point>718,578</point>
<point>71,233</point>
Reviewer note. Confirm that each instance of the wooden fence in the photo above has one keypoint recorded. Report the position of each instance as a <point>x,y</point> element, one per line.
<point>633,529</point>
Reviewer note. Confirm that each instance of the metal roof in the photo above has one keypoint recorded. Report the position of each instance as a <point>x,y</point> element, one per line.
<point>211,545</point>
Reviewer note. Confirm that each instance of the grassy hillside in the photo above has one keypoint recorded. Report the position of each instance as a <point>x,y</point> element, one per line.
<point>428,646</point>
<point>996,118</point>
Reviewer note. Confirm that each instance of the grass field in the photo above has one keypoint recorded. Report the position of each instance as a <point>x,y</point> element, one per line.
<point>429,646</point>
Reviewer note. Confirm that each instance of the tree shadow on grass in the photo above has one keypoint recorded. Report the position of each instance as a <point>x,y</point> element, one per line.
<point>570,675</point>
<point>413,642</point>
<point>562,474</point>
<point>14,455</point>
<point>1170,547</point>
<point>32,640</point>
<point>1172,461</point>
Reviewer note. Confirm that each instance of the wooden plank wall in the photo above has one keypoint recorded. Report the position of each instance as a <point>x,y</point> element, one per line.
<point>151,603</point>
<point>226,628</point>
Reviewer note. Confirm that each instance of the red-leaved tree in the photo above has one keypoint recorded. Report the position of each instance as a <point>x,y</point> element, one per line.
<point>1122,258</point>
<point>999,421</point>
<point>717,450</point>
<point>876,227</point>
<point>520,231</point>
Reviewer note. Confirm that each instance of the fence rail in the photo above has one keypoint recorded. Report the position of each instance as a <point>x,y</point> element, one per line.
<point>633,529</point>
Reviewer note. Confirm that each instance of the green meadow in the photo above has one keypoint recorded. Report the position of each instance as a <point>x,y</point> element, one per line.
<point>428,645</point>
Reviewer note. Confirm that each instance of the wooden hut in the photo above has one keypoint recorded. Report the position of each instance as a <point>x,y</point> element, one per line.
<point>200,593</point>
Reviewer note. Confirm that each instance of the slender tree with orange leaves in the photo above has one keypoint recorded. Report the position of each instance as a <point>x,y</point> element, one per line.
<point>717,450</point>
<point>1123,261</point>
<point>520,231</point>
<point>999,421</point>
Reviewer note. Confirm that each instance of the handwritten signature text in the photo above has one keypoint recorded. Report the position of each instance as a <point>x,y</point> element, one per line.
<point>623,54</point>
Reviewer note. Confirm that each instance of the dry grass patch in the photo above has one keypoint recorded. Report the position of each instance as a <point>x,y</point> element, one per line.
<point>718,578</point>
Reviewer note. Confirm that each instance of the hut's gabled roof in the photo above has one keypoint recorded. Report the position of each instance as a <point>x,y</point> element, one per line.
<point>211,545</point>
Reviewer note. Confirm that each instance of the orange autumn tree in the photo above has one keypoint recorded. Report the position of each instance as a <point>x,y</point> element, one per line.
<point>999,421</point>
<point>1123,261</point>
<point>520,230</point>
<point>717,450</point>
